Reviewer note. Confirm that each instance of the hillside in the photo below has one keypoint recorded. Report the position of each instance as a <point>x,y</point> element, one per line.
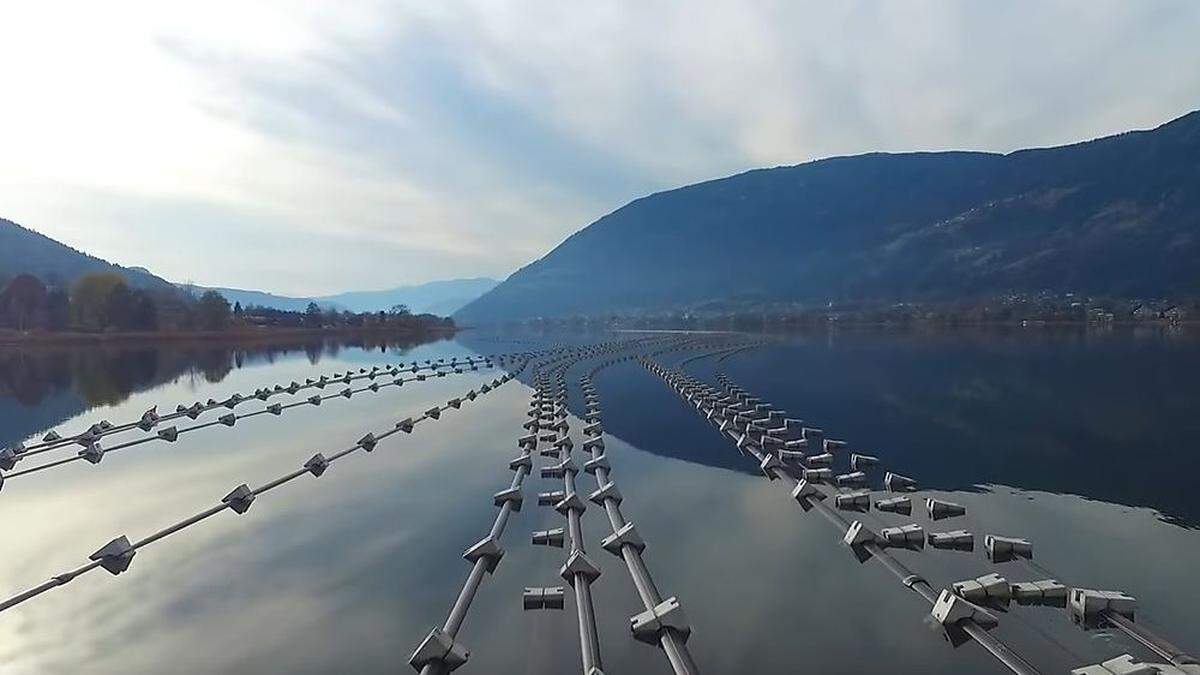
<point>249,298</point>
<point>435,297</point>
<point>23,251</point>
<point>1117,215</point>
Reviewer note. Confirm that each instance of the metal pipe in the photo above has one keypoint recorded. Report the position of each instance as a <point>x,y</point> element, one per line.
<point>674,645</point>
<point>466,595</point>
<point>46,446</point>
<point>204,425</point>
<point>642,580</point>
<point>998,649</point>
<point>1144,636</point>
<point>63,578</point>
<point>911,580</point>
<point>589,640</point>
<point>1154,643</point>
<point>458,613</point>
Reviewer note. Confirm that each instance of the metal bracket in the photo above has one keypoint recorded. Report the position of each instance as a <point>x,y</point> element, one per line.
<point>627,535</point>
<point>607,491</point>
<point>317,464</point>
<point>239,499</point>
<point>439,647</point>
<point>667,615</point>
<point>513,495</point>
<point>578,564</point>
<point>116,555</point>
<point>487,549</point>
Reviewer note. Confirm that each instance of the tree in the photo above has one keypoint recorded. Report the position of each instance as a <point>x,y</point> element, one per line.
<point>145,311</point>
<point>119,307</point>
<point>58,309</point>
<point>313,315</point>
<point>237,309</point>
<point>89,298</point>
<point>23,301</point>
<point>174,311</point>
<point>399,310</point>
<point>213,311</point>
<point>131,309</point>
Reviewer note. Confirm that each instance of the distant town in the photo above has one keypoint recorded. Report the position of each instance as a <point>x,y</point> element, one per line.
<point>1009,309</point>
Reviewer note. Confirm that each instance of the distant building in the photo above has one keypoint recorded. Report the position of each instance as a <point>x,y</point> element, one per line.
<point>1144,312</point>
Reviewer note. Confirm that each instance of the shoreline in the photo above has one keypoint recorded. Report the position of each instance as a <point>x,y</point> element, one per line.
<point>68,338</point>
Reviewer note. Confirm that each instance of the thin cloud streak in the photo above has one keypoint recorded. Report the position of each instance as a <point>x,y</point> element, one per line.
<point>371,144</point>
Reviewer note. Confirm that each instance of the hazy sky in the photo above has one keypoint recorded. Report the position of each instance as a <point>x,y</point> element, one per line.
<point>309,147</point>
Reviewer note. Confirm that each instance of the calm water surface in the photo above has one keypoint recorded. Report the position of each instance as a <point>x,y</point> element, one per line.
<point>1083,442</point>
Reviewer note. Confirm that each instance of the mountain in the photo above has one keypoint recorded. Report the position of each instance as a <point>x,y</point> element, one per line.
<point>23,251</point>
<point>254,298</point>
<point>435,297</point>
<point>1118,215</point>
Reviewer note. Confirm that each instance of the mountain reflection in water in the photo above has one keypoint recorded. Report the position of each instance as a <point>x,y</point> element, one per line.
<point>1077,440</point>
<point>43,386</point>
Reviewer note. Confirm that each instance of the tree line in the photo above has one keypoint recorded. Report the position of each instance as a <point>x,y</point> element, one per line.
<point>106,302</point>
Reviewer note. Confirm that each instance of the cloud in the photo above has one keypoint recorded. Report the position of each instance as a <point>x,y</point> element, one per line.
<point>416,141</point>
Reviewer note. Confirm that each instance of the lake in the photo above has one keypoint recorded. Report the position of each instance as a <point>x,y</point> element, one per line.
<point>1082,440</point>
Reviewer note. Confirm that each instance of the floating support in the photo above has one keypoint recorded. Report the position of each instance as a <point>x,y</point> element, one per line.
<point>115,556</point>
<point>667,615</point>
<point>1002,549</point>
<point>991,589</point>
<point>543,598</point>
<point>553,537</point>
<point>894,482</point>
<point>902,505</point>
<point>956,540</point>
<point>940,510</point>
<point>488,550</point>
<point>906,536</point>
<point>441,650</point>
<point>239,499</point>
<point>860,462</point>
<point>1045,593</point>
<point>1088,607</point>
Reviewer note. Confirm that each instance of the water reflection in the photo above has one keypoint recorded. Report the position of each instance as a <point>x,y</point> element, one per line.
<point>43,386</point>
<point>346,573</point>
<point>1108,415</point>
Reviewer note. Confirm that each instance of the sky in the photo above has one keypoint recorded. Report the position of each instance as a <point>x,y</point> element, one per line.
<point>317,147</point>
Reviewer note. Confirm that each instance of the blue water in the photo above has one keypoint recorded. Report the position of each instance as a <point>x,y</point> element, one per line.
<point>1083,442</point>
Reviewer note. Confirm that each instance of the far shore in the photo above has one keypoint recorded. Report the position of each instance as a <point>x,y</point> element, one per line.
<point>53,338</point>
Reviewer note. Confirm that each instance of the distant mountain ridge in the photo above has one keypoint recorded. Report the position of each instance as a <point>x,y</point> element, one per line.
<point>435,297</point>
<point>23,251</point>
<point>1118,215</point>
